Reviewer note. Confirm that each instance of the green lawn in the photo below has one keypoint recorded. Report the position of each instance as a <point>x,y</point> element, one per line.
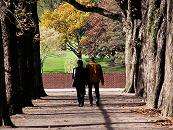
<point>54,65</point>
<point>67,61</point>
<point>60,63</point>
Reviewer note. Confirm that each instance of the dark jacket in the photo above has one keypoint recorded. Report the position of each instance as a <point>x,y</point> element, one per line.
<point>79,76</point>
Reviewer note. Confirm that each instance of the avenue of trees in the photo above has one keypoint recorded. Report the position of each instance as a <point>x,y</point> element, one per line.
<point>148,52</point>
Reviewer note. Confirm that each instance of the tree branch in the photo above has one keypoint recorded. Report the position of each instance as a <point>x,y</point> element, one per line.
<point>72,48</point>
<point>101,11</point>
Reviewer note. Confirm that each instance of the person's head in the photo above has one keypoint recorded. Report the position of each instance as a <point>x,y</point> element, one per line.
<point>80,63</point>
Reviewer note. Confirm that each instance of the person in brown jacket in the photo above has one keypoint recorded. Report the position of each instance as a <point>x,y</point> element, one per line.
<point>95,75</point>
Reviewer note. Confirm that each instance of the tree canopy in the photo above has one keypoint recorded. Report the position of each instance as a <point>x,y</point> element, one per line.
<point>68,21</point>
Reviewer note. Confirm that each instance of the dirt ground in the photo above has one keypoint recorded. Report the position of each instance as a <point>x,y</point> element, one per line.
<point>60,111</point>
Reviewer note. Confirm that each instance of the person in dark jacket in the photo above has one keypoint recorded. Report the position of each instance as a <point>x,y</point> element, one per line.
<point>95,76</point>
<point>79,81</point>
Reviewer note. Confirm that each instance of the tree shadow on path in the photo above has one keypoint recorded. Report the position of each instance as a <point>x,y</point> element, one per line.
<point>108,106</point>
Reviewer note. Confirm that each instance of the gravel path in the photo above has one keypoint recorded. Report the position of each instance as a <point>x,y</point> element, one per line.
<point>60,111</point>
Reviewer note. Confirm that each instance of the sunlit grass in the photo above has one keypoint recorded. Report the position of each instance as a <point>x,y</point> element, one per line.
<point>65,62</point>
<point>54,65</point>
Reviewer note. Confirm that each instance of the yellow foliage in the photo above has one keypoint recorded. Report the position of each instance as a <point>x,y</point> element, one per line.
<point>85,2</point>
<point>65,18</point>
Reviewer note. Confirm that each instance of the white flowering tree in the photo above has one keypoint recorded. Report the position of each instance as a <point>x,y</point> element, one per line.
<point>50,43</point>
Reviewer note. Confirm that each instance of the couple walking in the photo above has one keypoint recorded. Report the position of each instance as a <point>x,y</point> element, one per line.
<point>91,76</point>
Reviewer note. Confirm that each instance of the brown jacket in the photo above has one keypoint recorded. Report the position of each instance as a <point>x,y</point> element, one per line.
<point>95,73</point>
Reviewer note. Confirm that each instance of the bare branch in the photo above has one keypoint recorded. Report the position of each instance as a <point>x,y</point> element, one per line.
<point>101,11</point>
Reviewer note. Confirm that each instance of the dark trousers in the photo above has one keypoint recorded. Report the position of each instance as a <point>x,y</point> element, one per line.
<point>80,94</point>
<point>96,86</point>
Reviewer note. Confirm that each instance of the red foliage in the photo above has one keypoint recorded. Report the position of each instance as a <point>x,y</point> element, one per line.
<point>101,31</point>
<point>95,25</point>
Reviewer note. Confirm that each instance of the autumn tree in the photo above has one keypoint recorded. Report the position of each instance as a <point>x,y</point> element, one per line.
<point>94,33</point>
<point>50,43</point>
<point>105,36</point>
<point>47,4</point>
<point>70,22</point>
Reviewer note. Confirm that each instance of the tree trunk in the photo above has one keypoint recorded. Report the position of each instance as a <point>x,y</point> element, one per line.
<point>132,47</point>
<point>151,65</point>
<point>25,79</point>
<point>25,50</point>
<point>156,50</point>
<point>145,58</point>
<point>79,55</point>
<point>142,52</point>
<point>38,82</point>
<point>29,52</point>
<point>4,109</point>
<point>166,99</point>
<point>10,59</point>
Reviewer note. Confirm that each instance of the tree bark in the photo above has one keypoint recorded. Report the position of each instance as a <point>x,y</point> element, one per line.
<point>166,100</point>
<point>10,58</point>
<point>156,50</point>
<point>132,46</point>
<point>141,84</point>
<point>101,11</point>
<point>128,55</point>
<point>29,52</point>
<point>4,108</point>
<point>26,80</point>
<point>151,67</point>
<point>38,82</point>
